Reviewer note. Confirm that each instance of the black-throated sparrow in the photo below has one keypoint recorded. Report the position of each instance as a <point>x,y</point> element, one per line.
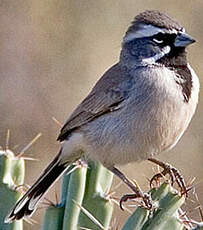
<point>140,107</point>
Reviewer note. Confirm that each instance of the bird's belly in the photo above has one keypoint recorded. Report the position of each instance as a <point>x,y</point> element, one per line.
<point>122,138</point>
<point>142,128</point>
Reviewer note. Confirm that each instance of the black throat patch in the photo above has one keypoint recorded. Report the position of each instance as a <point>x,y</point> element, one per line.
<point>177,62</point>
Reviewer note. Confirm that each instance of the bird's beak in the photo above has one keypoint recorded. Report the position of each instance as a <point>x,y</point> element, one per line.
<point>183,39</point>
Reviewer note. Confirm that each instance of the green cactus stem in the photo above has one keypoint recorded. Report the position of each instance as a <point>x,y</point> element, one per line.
<point>53,219</point>
<point>165,215</point>
<point>96,201</point>
<point>75,193</point>
<point>137,219</point>
<point>64,216</point>
<point>12,170</point>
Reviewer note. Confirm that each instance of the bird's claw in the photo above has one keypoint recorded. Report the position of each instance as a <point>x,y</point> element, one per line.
<point>175,176</point>
<point>146,198</point>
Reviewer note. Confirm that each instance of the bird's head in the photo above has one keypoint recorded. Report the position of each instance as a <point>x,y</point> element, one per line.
<point>154,38</point>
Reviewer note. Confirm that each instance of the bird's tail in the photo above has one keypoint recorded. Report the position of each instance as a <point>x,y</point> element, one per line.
<point>28,203</point>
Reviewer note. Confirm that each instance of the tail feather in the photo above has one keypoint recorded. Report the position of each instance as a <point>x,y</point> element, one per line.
<point>28,203</point>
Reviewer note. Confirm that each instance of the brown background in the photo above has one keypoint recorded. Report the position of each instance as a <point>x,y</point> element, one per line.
<point>51,54</point>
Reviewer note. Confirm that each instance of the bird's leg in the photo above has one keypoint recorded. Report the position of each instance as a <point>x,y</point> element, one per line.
<point>174,174</point>
<point>138,193</point>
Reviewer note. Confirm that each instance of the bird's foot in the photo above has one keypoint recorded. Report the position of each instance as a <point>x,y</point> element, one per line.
<point>146,199</point>
<point>138,193</point>
<point>174,174</point>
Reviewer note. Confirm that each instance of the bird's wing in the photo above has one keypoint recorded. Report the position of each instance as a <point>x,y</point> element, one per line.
<point>104,97</point>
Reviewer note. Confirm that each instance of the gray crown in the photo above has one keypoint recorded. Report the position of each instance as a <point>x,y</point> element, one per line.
<point>155,18</point>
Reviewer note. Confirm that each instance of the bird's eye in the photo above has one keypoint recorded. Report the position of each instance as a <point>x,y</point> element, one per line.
<point>159,38</point>
<point>159,41</point>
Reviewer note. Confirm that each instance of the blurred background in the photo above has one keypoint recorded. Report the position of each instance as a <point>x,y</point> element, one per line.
<point>51,54</point>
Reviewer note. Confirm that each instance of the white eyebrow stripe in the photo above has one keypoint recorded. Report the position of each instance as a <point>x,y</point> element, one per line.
<point>147,31</point>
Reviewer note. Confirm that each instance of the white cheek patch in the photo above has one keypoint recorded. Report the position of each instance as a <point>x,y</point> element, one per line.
<point>147,31</point>
<point>152,60</point>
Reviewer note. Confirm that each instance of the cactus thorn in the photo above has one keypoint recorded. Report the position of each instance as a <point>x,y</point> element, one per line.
<point>7,139</point>
<point>88,214</point>
<point>29,145</point>
<point>57,122</point>
<point>185,192</point>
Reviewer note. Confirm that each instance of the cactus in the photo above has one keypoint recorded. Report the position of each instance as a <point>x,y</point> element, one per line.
<point>165,216</point>
<point>74,195</point>
<point>53,218</point>
<point>65,214</point>
<point>12,170</point>
<point>83,189</point>
<point>96,201</point>
<point>85,204</point>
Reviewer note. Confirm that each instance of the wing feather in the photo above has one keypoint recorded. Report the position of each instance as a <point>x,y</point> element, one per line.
<point>104,97</point>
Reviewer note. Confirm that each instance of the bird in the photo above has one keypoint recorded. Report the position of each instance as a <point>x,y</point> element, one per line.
<point>139,108</point>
